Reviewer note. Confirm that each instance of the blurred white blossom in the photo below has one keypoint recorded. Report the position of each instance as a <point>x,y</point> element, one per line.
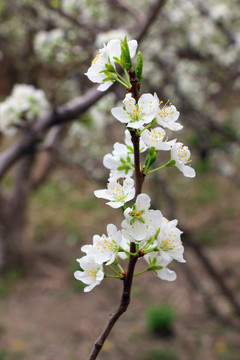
<point>25,104</point>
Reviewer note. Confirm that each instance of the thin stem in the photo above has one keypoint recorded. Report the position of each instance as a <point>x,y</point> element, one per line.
<point>123,83</point>
<point>122,307</point>
<point>147,166</point>
<point>128,278</point>
<point>159,168</point>
<point>115,271</point>
<point>146,127</point>
<point>126,82</point>
<point>141,272</point>
<point>170,163</point>
<point>114,276</point>
<point>120,267</point>
<point>150,250</point>
<point>127,76</point>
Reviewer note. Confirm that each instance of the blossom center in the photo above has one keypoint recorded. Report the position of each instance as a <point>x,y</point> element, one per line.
<point>136,216</point>
<point>106,244</point>
<point>157,136</point>
<point>92,273</point>
<point>183,154</point>
<point>136,115</point>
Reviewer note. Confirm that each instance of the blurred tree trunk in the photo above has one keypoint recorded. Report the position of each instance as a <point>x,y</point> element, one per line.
<point>13,218</point>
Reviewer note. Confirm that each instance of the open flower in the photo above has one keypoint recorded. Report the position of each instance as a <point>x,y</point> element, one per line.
<point>181,155</point>
<point>92,275</point>
<point>169,239</point>
<point>167,116</point>
<point>117,194</point>
<point>155,138</point>
<point>104,248</point>
<point>141,223</point>
<point>136,115</point>
<point>106,57</point>
<point>158,261</point>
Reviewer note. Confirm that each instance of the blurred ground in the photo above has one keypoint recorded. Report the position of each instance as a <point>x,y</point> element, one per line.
<point>44,314</point>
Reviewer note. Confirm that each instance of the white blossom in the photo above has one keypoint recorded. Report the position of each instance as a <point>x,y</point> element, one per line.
<point>49,45</point>
<point>155,138</point>
<point>164,273</point>
<point>136,115</point>
<point>92,275</point>
<point>105,56</point>
<point>25,104</point>
<point>167,116</point>
<point>181,155</point>
<point>169,241</point>
<point>141,223</point>
<point>104,248</point>
<point>117,194</point>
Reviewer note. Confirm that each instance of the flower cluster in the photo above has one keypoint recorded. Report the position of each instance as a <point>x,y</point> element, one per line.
<point>156,239</point>
<point>24,105</point>
<point>56,46</point>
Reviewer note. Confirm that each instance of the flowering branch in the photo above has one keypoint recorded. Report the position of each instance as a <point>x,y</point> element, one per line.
<point>145,233</point>
<point>127,280</point>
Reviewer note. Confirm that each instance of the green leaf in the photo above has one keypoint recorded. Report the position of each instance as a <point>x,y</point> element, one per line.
<point>139,66</point>
<point>125,58</point>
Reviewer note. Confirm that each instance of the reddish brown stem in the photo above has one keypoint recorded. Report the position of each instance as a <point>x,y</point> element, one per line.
<point>127,281</point>
<point>139,178</point>
<point>125,300</point>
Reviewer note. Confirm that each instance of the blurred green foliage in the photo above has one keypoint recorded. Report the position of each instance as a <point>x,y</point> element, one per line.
<point>9,278</point>
<point>167,353</point>
<point>160,319</point>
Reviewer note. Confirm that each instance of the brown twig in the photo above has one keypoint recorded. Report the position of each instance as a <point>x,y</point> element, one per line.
<point>213,272</point>
<point>139,179</point>
<point>61,115</point>
<point>125,300</point>
<point>127,281</point>
<point>197,286</point>
<point>128,7</point>
<point>151,16</point>
<point>71,19</point>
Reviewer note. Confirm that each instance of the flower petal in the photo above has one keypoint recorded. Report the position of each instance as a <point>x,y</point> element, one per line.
<point>120,114</point>
<point>143,202</point>
<point>166,274</point>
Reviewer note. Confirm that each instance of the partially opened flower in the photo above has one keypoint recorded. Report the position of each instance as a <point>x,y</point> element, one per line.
<point>120,162</point>
<point>117,194</point>
<point>136,115</point>
<point>155,138</point>
<point>181,155</point>
<point>161,269</point>
<point>105,58</point>
<point>93,273</point>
